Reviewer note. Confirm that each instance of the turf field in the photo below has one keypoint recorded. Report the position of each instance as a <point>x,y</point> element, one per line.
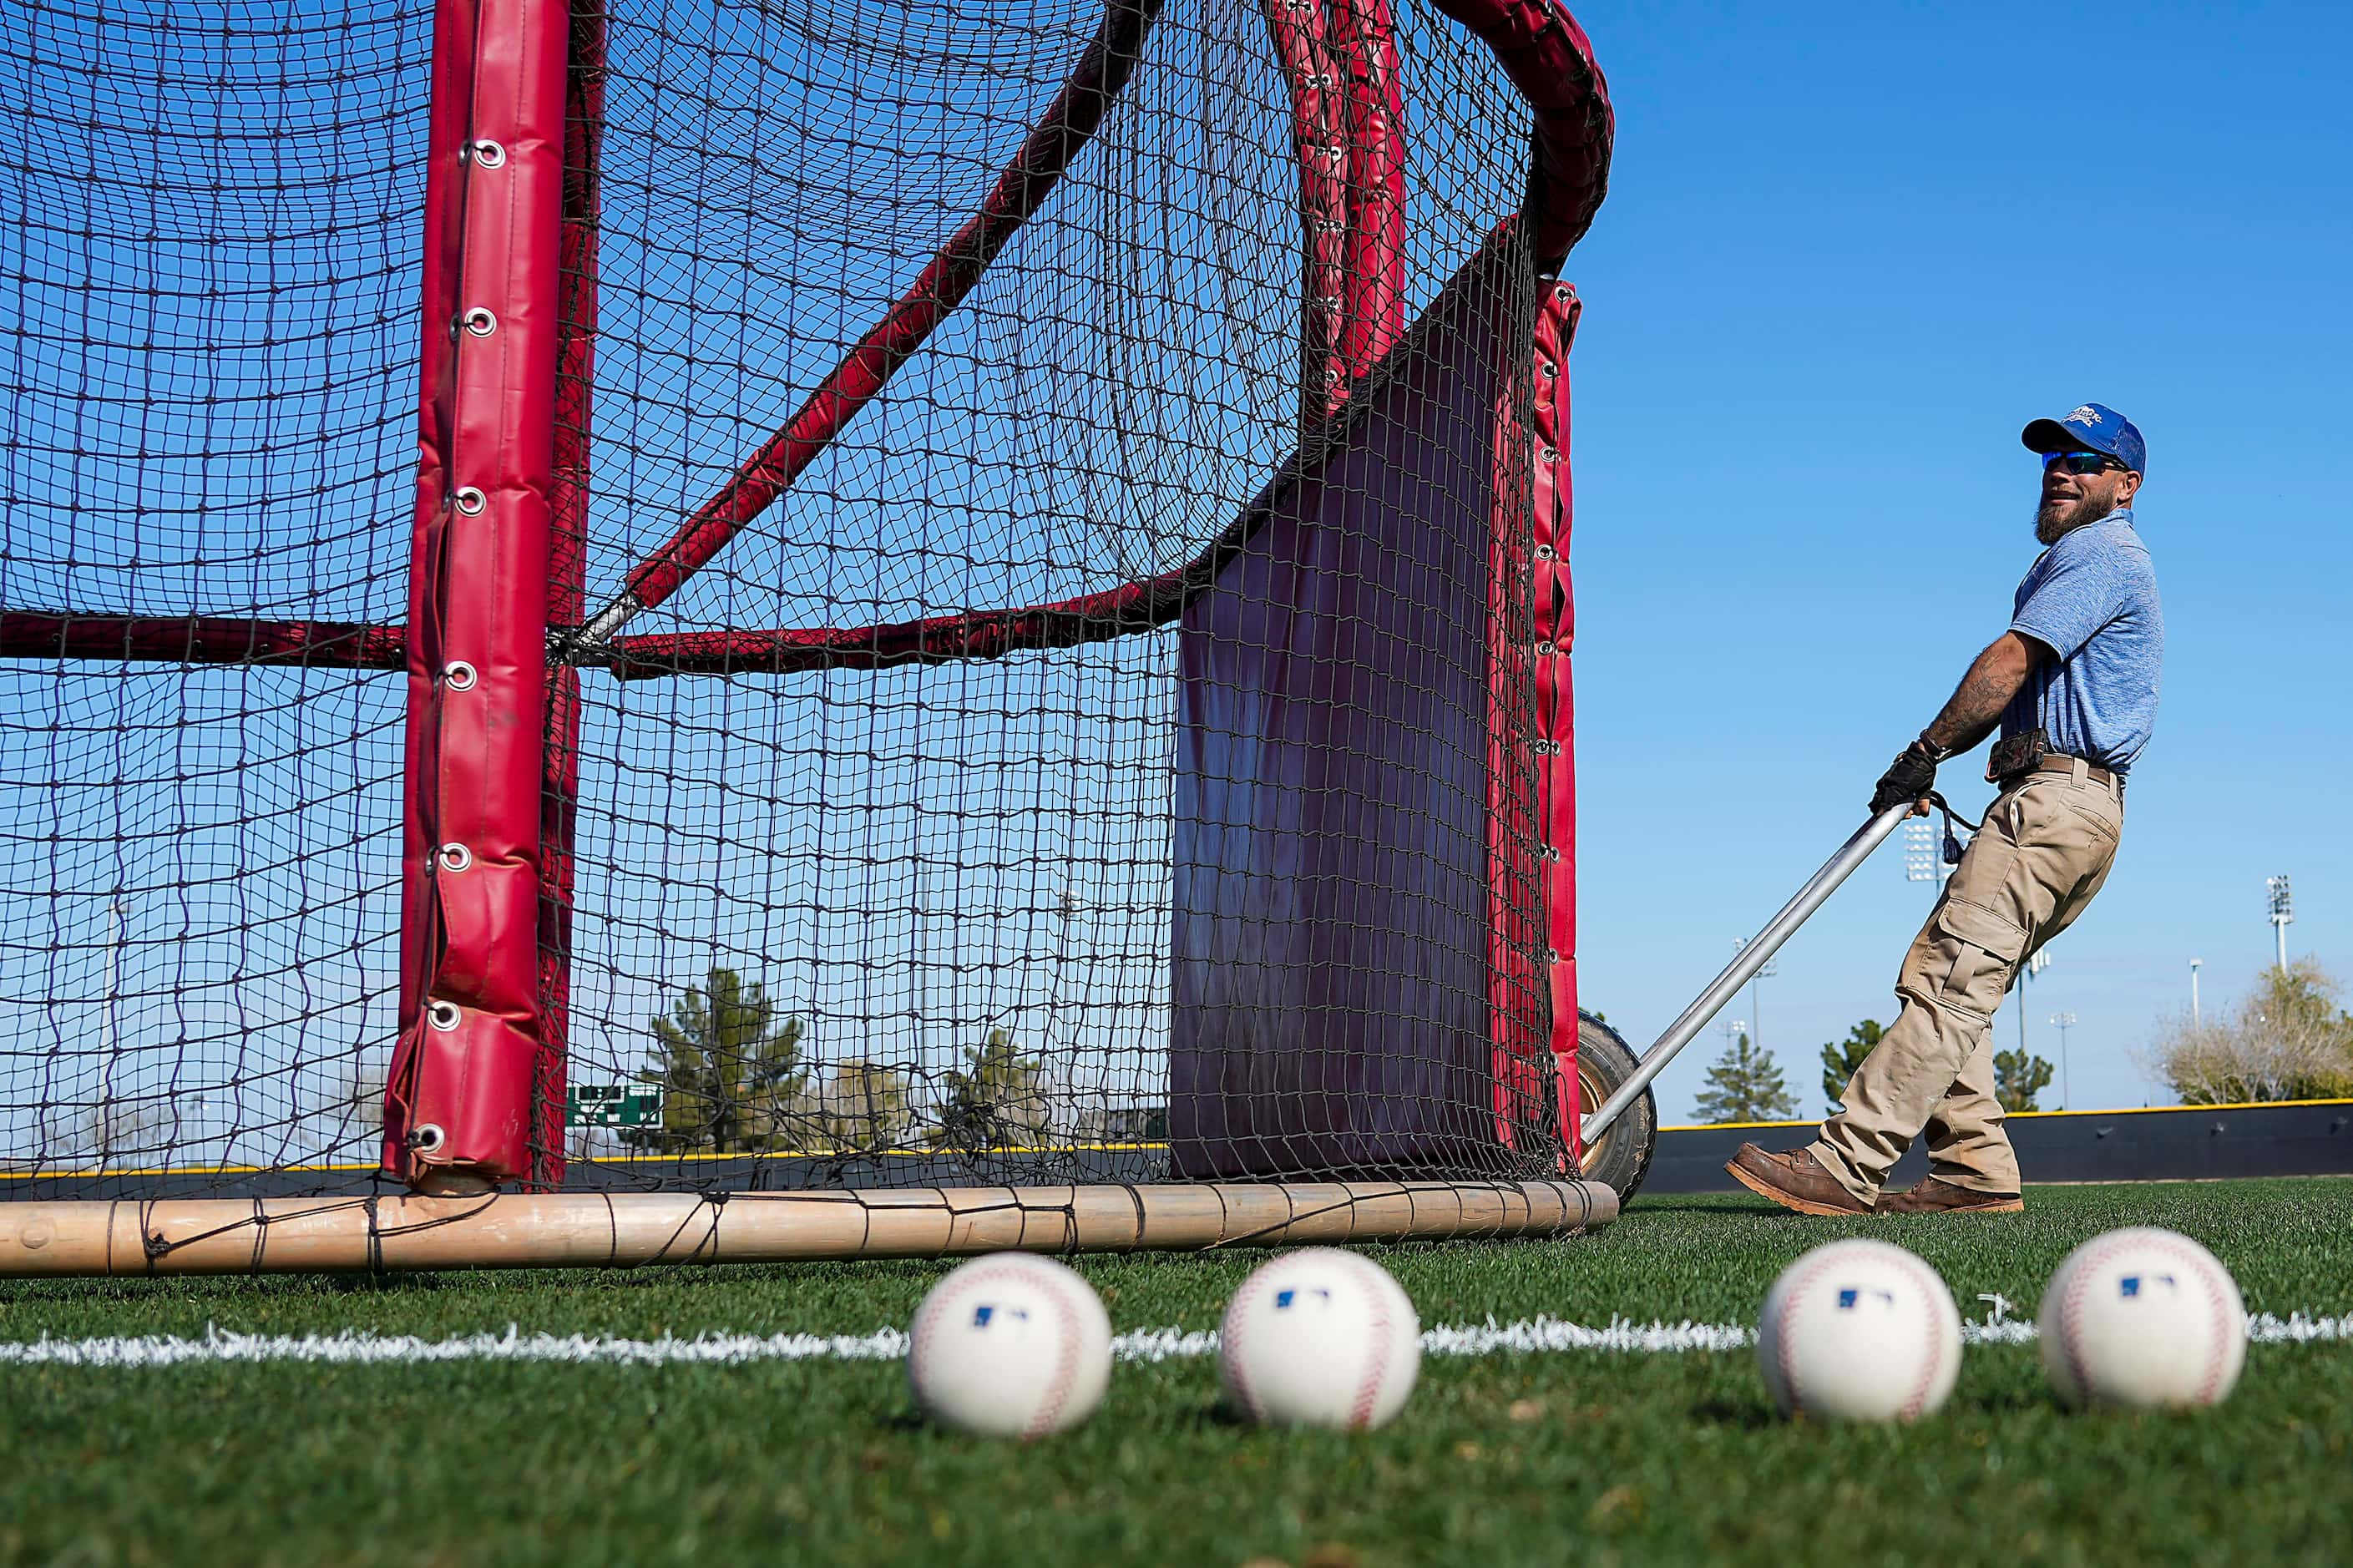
<point>1647,1452</point>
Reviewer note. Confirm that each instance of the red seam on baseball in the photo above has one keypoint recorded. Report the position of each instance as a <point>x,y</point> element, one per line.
<point>2071,1330</point>
<point>1930,1286</point>
<point>1820,1265</point>
<point>1066,1364</point>
<point>1368,1385</point>
<point>2209,1386</point>
<point>1230,1340</point>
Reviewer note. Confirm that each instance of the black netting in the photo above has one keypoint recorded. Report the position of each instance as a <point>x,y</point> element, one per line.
<point>914,863</point>
<point>951,884</point>
<point>208,242</point>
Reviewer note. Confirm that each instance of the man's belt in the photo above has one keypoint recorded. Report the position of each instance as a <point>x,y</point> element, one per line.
<point>2058,763</point>
<point>2015,756</point>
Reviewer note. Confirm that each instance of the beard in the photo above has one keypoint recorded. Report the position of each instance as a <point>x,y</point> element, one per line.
<point>2054,520</point>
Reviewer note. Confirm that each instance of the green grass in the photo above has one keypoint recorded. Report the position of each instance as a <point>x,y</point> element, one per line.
<point>1596,1457</point>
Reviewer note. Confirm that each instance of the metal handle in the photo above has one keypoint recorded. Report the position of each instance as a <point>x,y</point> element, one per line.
<point>1751,958</point>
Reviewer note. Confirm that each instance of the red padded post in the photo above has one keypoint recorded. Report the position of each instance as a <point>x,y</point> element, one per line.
<point>1556,629</point>
<point>1318,141</point>
<point>1364,36</point>
<point>473,1051</point>
<point>1532,899</point>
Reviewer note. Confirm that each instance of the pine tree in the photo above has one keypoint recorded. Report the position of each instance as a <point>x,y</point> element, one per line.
<point>995,1099</point>
<point>1842,1058</point>
<point>869,1106</point>
<point>1745,1085</point>
<point>2018,1078</point>
<point>725,1072</point>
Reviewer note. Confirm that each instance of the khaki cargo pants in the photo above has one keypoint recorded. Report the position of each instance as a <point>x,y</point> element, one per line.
<point>2048,842</point>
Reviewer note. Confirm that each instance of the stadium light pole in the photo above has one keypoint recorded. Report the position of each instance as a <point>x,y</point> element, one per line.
<point>1767,970</point>
<point>2194,991</point>
<point>1924,853</point>
<point>2283,913</point>
<point>2063,1022</point>
<point>2034,966</point>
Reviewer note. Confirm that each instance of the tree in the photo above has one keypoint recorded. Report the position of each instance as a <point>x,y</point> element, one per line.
<point>1842,1058</point>
<point>1745,1085</point>
<point>868,1106</point>
<point>725,1067</point>
<point>2288,1040</point>
<point>995,1099</point>
<point>2018,1078</point>
<point>352,1104</point>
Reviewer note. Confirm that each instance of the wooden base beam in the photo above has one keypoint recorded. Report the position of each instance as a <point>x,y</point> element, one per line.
<point>507,1230</point>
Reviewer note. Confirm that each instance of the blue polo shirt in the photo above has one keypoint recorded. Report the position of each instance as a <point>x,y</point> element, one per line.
<point>2091,599</point>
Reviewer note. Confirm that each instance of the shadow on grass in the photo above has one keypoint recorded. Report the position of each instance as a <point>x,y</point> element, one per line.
<point>1727,1205</point>
<point>1740,1414</point>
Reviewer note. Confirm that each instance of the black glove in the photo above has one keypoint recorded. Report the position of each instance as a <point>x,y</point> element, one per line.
<point>1907,779</point>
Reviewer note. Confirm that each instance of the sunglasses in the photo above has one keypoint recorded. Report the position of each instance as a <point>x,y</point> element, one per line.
<point>2080,464</point>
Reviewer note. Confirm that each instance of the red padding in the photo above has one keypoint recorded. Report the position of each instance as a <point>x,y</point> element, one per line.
<point>200,640</point>
<point>460,1099</point>
<point>1556,630</point>
<point>1550,60</point>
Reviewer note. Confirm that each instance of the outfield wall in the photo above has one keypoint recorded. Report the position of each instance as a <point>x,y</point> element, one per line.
<point>2198,1143</point>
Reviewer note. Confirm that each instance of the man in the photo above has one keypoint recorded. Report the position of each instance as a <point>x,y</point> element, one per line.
<point>2074,684</point>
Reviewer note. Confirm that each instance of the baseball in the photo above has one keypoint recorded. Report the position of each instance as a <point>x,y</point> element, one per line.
<point>1010,1345</point>
<point>1859,1330</point>
<point>2145,1318</point>
<point>1320,1338</point>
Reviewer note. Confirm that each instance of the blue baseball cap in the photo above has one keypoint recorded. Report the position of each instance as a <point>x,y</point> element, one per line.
<point>2091,427</point>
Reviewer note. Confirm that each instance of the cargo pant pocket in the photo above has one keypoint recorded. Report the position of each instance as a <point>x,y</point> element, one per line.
<point>1971,956</point>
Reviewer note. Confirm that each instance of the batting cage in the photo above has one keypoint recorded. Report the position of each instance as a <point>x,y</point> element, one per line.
<point>719,628</point>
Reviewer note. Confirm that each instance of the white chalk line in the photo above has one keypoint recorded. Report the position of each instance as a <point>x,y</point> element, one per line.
<point>1529,1336</point>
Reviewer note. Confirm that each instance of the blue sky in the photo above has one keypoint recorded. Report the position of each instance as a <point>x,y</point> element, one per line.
<point>1848,252</point>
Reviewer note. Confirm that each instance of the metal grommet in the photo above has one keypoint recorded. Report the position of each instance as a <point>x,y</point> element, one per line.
<point>1550,370</point>
<point>1545,552</point>
<point>458,676</point>
<point>472,502</point>
<point>1560,292</point>
<point>443,1014</point>
<point>1552,454</point>
<point>1546,650</point>
<point>487,152</point>
<point>456,857</point>
<point>479,321</point>
<point>426,1138</point>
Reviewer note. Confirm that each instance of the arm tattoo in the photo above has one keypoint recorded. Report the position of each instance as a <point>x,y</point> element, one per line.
<point>1976,705</point>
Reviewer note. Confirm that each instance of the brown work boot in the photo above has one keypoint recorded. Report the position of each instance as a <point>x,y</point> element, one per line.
<point>1794,1179</point>
<point>1936,1195</point>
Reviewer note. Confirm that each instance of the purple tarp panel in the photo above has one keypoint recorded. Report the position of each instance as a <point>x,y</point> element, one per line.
<point>1332,1001</point>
